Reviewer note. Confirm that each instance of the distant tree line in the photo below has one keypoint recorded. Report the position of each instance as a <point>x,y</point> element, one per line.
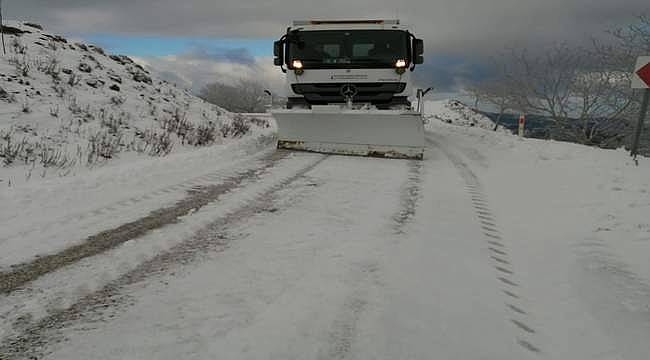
<point>584,91</point>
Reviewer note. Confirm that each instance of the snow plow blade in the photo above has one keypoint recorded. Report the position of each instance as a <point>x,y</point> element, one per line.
<point>364,132</point>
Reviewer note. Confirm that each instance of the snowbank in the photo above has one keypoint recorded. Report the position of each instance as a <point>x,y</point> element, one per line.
<point>456,113</point>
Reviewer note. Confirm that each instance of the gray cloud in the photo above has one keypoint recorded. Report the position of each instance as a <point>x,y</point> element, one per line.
<point>194,70</point>
<point>240,56</point>
<point>467,31</point>
<point>451,26</point>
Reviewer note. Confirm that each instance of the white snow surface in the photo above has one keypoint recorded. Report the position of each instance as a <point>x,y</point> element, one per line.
<point>493,247</point>
<point>44,216</point>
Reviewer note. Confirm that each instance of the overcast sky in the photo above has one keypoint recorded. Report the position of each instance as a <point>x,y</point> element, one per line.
<point>465,30</point>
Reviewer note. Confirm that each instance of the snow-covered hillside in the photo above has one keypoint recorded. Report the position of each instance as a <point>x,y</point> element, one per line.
<point>68,106</point>
<point>456,113</point>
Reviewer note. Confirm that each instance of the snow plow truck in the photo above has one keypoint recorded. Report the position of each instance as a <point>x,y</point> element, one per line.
<point>349,88</point>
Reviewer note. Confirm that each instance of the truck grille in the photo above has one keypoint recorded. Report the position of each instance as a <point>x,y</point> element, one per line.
<point>331,93</point>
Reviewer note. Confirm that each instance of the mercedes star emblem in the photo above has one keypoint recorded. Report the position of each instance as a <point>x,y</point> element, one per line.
<point>349,90</point>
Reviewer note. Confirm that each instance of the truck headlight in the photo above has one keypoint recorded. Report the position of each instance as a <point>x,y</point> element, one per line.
<point>400,66</point>
<point>297,67</point>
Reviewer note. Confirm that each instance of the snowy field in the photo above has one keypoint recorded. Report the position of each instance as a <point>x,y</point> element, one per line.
<point>493,247</point>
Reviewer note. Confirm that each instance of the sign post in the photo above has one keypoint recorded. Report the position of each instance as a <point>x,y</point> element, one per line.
<point>522,125</point>
<point>641,80</point>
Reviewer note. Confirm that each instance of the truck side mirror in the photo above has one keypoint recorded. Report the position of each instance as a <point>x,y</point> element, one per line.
<point>418,51</point>
<point>278,53</point>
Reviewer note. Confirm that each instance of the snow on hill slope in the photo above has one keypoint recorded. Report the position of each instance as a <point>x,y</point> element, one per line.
<point>68,106</point>
<point>456,113</point>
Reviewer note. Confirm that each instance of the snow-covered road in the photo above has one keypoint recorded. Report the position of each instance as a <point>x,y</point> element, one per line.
<point>491,248</point>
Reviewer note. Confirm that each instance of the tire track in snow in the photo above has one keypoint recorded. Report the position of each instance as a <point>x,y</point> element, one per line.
<point>344,328</point>
<point>410,196</point>
<point>199,196</point>
<point>498,250</point>
<point>102,304</point>
<point>190,184</point>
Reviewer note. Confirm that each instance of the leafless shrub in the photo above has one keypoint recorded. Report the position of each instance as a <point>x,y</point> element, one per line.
<point>138,145</point>
<point>74,79</point>
<point>87,114</point>
<point>23,69</point>
<point>114,123</point>
<point>154,143</point>
<point>117,100</point>
<point>52,66</point>
<point>10,149</point>
<point>30,152</point>
<point>263,123</point>
<point>177,124</point>
<point>51,157</point>
<point>203,135</point>
<point>21,64</point>
<point>237,128</point>
<point>49,66</point>
<point>17,46</point>
<point>26,107</point>
<point>103,146</point>
<point>74,107</point>
<point>54,111</point>
<point>28,175</point>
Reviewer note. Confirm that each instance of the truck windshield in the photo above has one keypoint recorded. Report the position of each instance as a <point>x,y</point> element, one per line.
<point>348,48</point>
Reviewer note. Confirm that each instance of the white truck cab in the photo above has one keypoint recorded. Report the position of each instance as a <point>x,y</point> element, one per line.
<point>370,59</point>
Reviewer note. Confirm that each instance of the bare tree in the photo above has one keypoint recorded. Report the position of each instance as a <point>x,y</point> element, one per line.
<point>619,53</point>
<point>573,87</point>
<point>602,103</point>
<point>496,91</point>
<point>630,42</point>
<point>475,91</point>
<point>542,83</point>
<point>244,96</point>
